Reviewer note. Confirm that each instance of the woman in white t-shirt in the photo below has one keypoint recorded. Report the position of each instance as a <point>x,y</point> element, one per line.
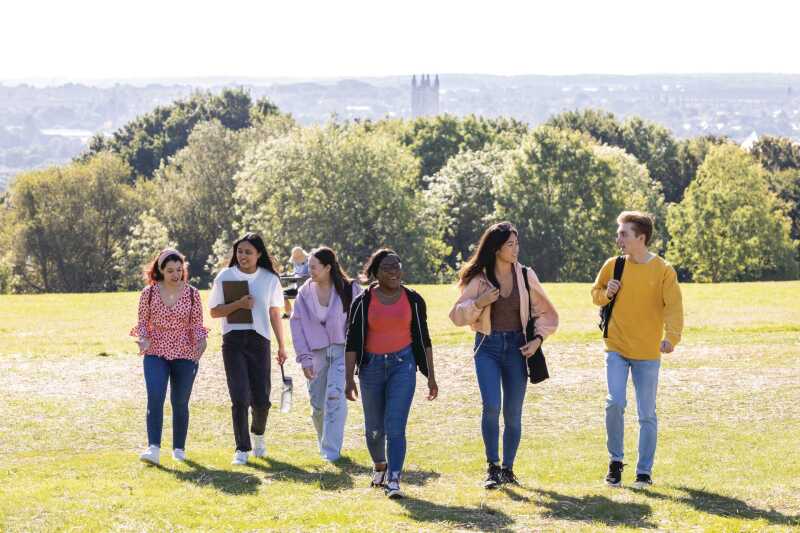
<point>246,347</point>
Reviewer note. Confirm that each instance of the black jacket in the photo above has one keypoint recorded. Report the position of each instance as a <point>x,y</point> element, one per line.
<point>357,322</point>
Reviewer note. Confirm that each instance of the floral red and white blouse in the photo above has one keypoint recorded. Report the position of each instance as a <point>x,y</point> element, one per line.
<point>173,331</point>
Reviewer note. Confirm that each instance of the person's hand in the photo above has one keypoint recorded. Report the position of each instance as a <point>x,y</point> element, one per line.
<point>487,298</point>
<point>308,372</point>
<point>281,356</point>
<point>433,389</point>
<point>666,346</point>
<point>612,288</point>
<point>246,302</point>
<point>530,348</point>
<point>350,390</point>
<point>200,347</point>
<point>144,344</point>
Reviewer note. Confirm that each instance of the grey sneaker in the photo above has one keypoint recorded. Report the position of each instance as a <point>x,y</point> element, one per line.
<point>393,489</point>
<point>378,478</point>
<point>151,455</point>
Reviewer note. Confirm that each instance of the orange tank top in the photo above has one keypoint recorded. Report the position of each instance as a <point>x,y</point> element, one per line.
<point>389,326</point>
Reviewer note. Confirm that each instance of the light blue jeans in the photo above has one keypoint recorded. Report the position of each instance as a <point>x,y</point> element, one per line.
<point>645,382</point>
<point>328,402</point>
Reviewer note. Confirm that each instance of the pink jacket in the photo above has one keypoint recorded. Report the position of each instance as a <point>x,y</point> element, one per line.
<point>308,333</point>
<point>466,313</point>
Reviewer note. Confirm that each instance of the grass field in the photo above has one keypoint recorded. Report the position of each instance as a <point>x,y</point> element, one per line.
<point>72,423</point>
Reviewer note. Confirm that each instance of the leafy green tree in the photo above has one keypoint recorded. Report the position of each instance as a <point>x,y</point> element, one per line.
<point>151,139</point>
<point>68,221</point>
<point>777,153</point>
<point>654,145</point>
<point>460,199</point>
<point>634,189</point>
<point>730,226</point>
<point>601,125</point>
<point>341,186</point>
<point>146,238</point>
<point>194,192</point>
<point>559,194</point>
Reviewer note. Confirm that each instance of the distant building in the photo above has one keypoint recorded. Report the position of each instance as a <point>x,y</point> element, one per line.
<point>424,96</point>
<point>748,143</point>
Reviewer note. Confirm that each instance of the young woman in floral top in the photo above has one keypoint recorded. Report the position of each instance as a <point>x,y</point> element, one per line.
<point>171,338</point>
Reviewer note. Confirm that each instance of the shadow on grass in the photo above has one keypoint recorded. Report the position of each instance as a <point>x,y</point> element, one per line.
<point>717,504</point>
<point>327,480</point>
<point>591,508</point>
<point>483,518</point>
<point>234,483</point>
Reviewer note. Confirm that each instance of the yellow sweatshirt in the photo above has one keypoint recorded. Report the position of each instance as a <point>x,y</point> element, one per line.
<point>648,307</point>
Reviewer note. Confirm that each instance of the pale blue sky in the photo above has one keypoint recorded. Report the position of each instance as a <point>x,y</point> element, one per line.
<point>122,39</point>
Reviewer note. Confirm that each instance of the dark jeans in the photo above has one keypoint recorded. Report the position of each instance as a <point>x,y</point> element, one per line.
<point>247,369</point>
<point>180,374</point>
<point>499,363</point>
<point>387,389</point>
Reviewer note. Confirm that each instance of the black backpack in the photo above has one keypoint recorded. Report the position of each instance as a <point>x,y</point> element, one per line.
<point>605,311</point>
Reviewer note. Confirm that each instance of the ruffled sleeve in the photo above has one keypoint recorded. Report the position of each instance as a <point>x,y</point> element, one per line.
<point>196,317</point>
<point>141,328</point>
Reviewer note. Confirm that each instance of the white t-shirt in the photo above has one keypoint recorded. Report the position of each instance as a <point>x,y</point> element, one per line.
<point>321,310</point>
<point>266,290</point>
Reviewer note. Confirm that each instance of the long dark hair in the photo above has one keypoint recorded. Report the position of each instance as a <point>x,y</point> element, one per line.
<point>153,274</point>
<point>341,281</point>
<point>483,258</point>
<point>265,260</point>
<point>370,271</point>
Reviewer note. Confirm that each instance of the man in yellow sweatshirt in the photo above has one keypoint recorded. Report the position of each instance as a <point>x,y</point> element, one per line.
<point>646,321</point>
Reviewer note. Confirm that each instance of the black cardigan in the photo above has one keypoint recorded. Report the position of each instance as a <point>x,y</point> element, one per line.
<point>358,319</point>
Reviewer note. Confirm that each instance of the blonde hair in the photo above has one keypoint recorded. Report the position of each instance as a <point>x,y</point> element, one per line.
<point>297,251</point>
<point>642,223</point>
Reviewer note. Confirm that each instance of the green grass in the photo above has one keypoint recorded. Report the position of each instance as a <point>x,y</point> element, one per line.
<point>72,423</point>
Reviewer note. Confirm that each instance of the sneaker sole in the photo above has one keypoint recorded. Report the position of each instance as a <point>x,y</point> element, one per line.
<point>394,495</point>
<point>491,486</point>
<point>616,485</point>
<point>641,486</point>
<point>149,461</point>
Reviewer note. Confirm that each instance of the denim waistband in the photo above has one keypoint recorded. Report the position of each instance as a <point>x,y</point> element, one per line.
<point>390,354</point>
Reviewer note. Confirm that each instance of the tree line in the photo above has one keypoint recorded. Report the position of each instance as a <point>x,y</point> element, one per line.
<point>200,171</point>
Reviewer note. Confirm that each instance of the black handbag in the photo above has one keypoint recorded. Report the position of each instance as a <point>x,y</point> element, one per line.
<point>537,366</point>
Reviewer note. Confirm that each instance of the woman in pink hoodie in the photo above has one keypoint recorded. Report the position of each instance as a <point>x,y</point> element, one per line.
<point>494,302</point>
<point>319,324</point>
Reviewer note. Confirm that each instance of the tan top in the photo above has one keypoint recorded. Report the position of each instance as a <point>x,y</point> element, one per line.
<point>466,313</point>
<point>505,311</point>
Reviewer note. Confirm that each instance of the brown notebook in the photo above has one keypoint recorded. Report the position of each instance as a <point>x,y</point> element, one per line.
<point>232,291</point>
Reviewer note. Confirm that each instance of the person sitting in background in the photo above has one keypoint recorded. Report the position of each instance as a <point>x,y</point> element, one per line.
<point>299,269</point>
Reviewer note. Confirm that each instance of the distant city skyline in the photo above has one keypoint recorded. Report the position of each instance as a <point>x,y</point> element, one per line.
<point>62,42</point>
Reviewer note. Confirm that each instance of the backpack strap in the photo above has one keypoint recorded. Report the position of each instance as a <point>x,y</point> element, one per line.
<point>619,266</point>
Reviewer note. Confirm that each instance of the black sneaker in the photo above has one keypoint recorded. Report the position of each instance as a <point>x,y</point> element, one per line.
<point>378,477</point>
<point>494,477</point>
<point>643,481</point>
<point>507,475</point>
<point>614,476</point>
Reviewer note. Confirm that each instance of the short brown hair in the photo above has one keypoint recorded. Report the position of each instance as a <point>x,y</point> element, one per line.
<point>642,223</point>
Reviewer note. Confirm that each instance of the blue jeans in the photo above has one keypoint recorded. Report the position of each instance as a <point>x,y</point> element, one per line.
<point>328,403</point>
<point>387,384</point>
<point>645,381</point>
<point>180,374</point>
<point>499,363</point>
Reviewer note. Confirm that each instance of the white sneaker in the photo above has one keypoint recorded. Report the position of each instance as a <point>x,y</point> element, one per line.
<point>259,446</point>
<point>379,477</point>
<point>393,490</point>
<point>179,454</point>
<point>240,458</point>
<point>151,455</point>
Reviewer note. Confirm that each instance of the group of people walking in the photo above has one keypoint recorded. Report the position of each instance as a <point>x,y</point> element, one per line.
<point>380,334</point>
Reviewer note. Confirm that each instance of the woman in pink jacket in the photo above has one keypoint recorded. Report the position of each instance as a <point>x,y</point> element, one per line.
<point>494,302</point>
<point>319,324</point>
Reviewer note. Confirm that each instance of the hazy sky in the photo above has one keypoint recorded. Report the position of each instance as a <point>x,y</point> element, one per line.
<point>115,39</point>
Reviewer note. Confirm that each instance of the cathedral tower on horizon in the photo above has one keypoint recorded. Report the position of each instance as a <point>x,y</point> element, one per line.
<point>424,96</point>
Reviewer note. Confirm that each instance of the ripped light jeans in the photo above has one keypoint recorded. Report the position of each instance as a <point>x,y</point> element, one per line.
<point>328,403</point>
